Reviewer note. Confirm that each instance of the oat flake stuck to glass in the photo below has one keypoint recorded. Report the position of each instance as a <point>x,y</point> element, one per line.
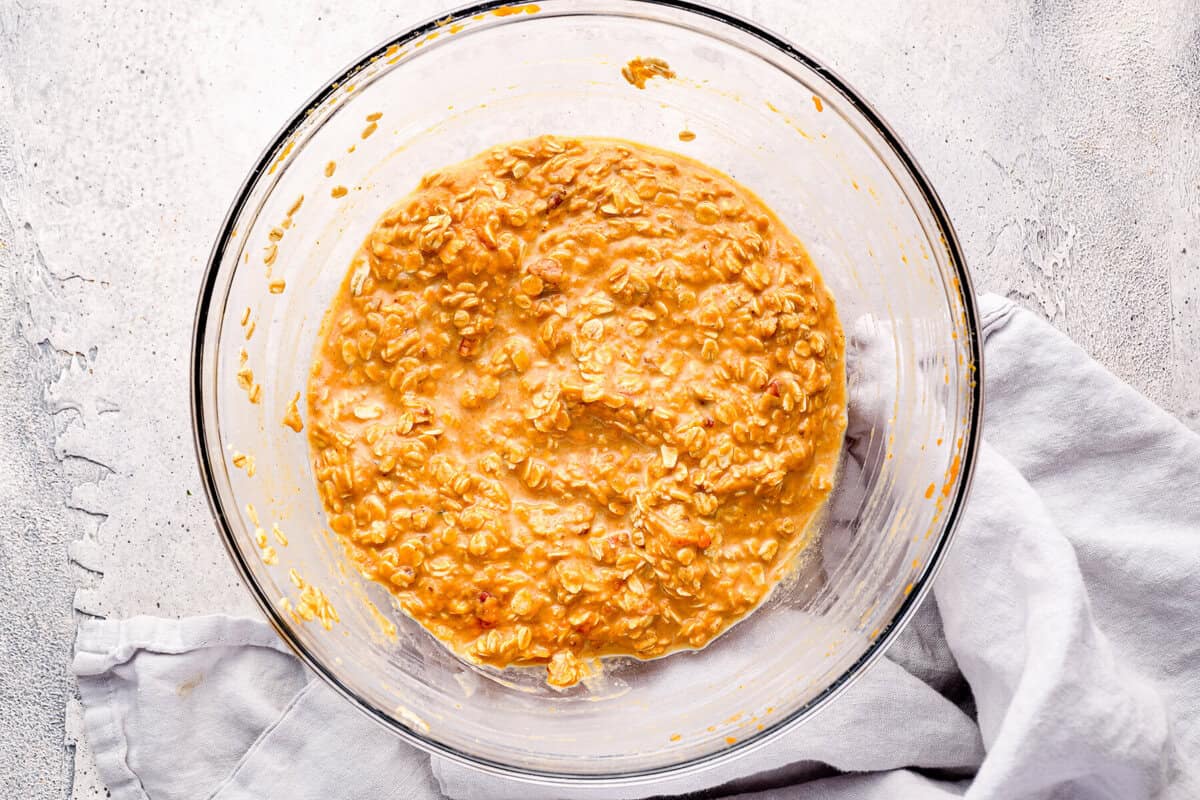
<point>639,70</point>
<point>577,397</point>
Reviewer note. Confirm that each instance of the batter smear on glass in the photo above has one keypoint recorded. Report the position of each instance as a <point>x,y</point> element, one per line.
<point>577,397</point>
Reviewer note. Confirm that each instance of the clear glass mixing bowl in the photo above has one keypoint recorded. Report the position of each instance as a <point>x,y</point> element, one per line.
<point>763,112</point>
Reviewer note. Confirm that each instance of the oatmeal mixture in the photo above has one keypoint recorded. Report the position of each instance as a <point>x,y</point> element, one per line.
<point>577,397</point>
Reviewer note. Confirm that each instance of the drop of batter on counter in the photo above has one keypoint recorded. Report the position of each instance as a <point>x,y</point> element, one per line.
<point>687,136</point>
<point>640,70</point>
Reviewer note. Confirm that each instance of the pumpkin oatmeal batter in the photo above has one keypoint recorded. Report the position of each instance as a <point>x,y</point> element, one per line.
<point>577,397</point>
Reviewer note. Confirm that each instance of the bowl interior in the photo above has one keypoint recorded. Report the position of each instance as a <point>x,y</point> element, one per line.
<point>774,121</point>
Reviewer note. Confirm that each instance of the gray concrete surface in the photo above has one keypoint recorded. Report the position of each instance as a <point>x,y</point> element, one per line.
<point>1062,136</point>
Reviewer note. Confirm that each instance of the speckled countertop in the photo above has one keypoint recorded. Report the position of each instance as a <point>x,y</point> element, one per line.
<point>1063,138</point>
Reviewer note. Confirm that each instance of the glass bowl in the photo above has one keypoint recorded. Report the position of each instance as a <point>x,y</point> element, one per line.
<point>763,112</point>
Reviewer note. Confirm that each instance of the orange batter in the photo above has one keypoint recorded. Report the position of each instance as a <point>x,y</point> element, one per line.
<point>577,397</point>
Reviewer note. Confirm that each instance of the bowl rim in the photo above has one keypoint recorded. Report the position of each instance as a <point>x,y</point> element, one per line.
<point>887,634</point>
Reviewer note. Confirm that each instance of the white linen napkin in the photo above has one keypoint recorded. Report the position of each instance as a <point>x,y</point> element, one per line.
<point>1058,657</point>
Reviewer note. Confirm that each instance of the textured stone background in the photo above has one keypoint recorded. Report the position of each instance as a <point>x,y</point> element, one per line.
<point>1063,137</point>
